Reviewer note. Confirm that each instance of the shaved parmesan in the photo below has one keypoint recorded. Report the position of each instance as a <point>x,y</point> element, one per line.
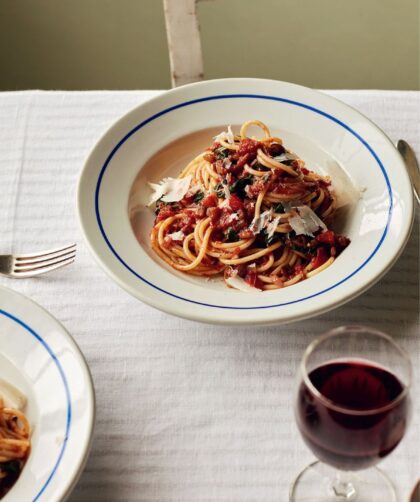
<point>285,156</point>
<point>170,189</point>
<point>291,204</point>
<point>177,236</point>
<point>227,163</point>
<point>226,191</point>
<point>305,221</point>
<point>260,222</point>
<point>271,227</point>
<point>226,136</point>
<point>238,283</point>
<point>11,397</point>
<point>232,217</point>
<point>194,189</point>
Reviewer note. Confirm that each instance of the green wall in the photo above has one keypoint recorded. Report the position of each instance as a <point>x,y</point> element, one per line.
<point>121,44</point>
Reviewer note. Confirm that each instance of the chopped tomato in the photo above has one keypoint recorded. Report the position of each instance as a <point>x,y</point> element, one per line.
<point>320,258</point>
<point>342,242</point>
<point>243,159</point>
<point>289,188</point>
<point>235,202</point>
<point>210,200</point>
<point>225,221</point>
<point>250,146</point>
<point>327,237</point>
<point>256,188</point>
<point>210,157</point>
<point>214,214</point>
<point>165,212</point>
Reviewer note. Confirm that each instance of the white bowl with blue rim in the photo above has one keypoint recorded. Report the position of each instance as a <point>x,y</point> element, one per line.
<point>40,359</point>
<point>367,173</point>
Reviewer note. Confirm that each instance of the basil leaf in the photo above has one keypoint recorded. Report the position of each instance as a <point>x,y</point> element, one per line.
<point>13,466</point>
<point>198,196</point>
<point>239,186</point>
<point>221,153</point>
<point>232,235</point>
<point>279,209</point>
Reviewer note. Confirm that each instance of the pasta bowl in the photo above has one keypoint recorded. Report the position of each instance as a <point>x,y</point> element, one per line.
<point>40,360</point>
<point>158,138</point>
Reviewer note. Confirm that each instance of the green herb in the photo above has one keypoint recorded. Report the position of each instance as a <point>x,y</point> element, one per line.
<point>232,235</point>
<point>279,209</point>
<point>12,467</point>
<point>221,153</point>
<point>198,196</point>
<point>239,186</point>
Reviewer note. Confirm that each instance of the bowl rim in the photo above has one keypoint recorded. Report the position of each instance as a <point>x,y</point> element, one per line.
<point>171,307</point>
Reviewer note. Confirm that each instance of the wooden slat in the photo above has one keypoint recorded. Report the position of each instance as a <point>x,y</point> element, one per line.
<point>184,42</point>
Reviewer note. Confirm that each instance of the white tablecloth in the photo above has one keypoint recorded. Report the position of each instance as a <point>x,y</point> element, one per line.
<point>185,412</point>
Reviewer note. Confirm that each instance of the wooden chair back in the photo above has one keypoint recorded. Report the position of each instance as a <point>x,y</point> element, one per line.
<point>184,43</point>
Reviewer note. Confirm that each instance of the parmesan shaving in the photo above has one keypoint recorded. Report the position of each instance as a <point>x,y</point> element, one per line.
<point>305,221</point>
<point>260,222</point>
<point>170,189</point>
<point>271,227</point>
<point>194,189</point>
<point>177,236</point>
<point>226,136</point>
<point>226,191</point>
<point>237,282</point>
<point>232,217</point>
<point>227,163</point>
<point>285,156</point>
<point>11,397</point>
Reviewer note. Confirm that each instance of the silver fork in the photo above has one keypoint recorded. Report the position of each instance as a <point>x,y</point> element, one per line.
<point>20,266</point>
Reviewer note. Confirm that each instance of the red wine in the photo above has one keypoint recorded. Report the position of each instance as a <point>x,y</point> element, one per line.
<point>341,437</point>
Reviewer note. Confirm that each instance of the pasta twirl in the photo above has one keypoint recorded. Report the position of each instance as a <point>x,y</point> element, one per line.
<point>249,209</point>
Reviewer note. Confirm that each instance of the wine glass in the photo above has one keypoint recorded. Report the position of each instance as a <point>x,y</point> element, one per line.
<point>352,408</point>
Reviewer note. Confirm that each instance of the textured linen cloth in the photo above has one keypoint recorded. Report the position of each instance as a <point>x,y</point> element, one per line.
<point>185,412</point>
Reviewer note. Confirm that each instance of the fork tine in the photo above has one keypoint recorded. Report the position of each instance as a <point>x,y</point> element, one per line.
<point>42,270</point>
<point>46,259</point>
<point>33,265</point>
<point>45,253</point>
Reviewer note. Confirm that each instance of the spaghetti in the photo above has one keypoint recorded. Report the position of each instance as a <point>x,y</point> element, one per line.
<point>14,446</point>
<point>247,208</point>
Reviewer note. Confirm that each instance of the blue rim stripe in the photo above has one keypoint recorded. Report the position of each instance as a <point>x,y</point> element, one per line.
<point>67,392</point>
<point>241,96</point>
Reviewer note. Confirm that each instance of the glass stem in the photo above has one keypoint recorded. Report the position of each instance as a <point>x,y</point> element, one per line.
<point>342,488</point>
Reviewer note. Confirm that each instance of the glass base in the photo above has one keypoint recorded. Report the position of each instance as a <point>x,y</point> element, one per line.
<point>321,483</point>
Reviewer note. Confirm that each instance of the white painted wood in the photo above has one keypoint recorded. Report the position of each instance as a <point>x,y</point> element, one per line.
<point>184,42</point>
